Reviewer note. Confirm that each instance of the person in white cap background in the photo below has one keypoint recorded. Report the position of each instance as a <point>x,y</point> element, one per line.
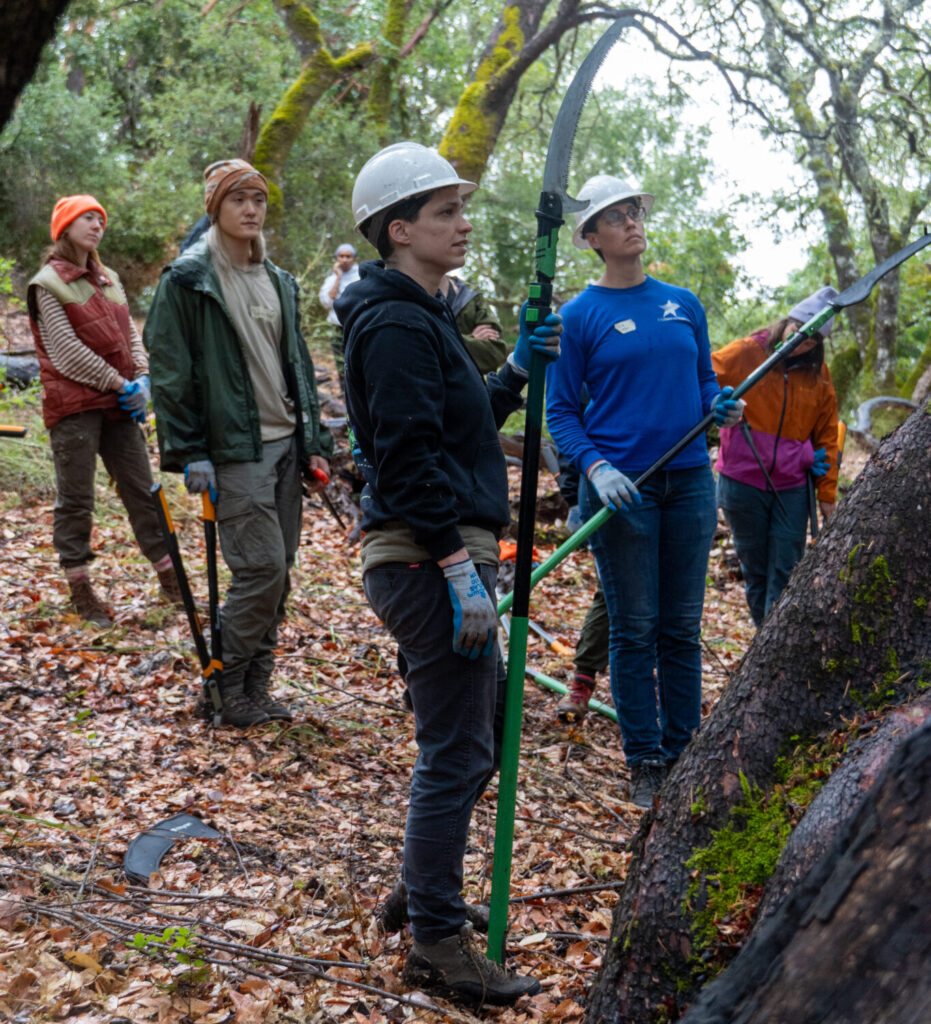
<point>425,428</point>
<point>789,429</point>
<point>344,273</point>
<point>640,347</point>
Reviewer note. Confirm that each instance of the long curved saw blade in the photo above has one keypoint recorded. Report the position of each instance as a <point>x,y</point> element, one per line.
<point>559,154</point>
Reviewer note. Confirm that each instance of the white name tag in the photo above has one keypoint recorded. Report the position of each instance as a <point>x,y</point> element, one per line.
<point>625,326</point>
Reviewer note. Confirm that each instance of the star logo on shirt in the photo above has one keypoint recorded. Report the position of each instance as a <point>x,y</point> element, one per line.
<point>669,309</point>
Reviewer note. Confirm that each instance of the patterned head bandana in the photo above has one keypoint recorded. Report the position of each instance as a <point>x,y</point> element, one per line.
<point>226,176</point>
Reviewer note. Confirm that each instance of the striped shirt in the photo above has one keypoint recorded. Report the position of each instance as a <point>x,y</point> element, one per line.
<point>71,357</point>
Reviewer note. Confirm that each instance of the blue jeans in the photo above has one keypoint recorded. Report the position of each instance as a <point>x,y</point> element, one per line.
<point>769,538</point>
<point>458,714</point>
<point>652,561</point>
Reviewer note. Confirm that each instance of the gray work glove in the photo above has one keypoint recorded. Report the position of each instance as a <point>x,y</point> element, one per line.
<point>475,618</point>
<point>614,489</point>
<point>201,476</point>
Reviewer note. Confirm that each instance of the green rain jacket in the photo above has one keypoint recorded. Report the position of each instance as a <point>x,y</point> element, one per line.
<point>201,389</point>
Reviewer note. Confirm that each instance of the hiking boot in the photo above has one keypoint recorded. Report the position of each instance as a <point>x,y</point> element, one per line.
<point>393,915</point>
<point>257,691</point>
<point>87,604</point>
<point>171,588</point>
<point>646,780</point>
<point>239,711</point>
<point>574,706</point>
<point>454,968</point>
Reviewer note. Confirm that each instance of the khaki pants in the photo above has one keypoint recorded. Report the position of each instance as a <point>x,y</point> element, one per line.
<point>76,442</point>
<point>259,525</point>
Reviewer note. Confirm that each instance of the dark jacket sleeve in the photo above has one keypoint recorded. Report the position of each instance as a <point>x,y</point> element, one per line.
<point>504,388</point>
<point>182,436</point>
<point>317,439</point>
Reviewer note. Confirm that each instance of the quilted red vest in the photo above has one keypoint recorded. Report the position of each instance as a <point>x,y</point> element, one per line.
<point>96,307</point>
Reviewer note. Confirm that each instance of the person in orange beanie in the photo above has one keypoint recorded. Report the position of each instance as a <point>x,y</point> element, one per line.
<point>94,372</point>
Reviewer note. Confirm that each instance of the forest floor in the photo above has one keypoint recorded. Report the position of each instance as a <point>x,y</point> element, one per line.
<point>276,919</point>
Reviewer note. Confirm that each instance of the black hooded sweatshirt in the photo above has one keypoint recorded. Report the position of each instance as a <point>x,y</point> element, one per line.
<point>425,423</point>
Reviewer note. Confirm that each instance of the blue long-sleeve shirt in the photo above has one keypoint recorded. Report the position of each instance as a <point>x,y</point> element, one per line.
<point>643,354</point>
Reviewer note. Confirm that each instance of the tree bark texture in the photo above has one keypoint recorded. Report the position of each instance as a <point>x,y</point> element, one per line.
<point>866,758</point>
<point>25,28</point>
<point>852,943</point>
<point>851,631</point>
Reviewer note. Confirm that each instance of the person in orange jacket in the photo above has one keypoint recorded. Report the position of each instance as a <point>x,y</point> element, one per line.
<point>788,430</point>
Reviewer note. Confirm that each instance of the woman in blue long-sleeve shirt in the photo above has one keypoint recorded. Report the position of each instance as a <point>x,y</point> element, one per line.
<point>641,349</point>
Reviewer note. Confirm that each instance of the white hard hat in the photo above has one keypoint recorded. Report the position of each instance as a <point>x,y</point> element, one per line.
<point>398,172</point>
<point>602,191</point>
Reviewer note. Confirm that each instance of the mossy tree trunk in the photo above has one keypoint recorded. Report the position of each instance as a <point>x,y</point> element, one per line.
<point>518,39</point>
<point>852,943</point>
<point>851,631</point>
<point>319,70</point>
<point>379,105</point>
<point>24,28</point>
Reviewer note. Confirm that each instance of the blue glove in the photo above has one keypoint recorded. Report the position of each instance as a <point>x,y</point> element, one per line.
<point>614,489</point>
<point>727,411</point>
<point>201,476</point>
<point>544,338</point>
<point>821,464</point>
<point>574,519</point>
<point>134,396</point>
<point>475,618</point>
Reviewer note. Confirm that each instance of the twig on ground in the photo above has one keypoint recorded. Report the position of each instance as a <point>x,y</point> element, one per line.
<point>543,894</point>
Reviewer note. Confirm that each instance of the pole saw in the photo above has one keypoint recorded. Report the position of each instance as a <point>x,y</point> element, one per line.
<point>554,201</point>
<point>856,293</point>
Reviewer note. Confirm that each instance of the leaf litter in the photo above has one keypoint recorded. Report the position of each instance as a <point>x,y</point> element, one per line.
<point>102,738</point>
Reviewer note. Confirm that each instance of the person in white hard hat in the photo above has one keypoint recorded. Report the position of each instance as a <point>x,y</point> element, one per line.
<point>640,347</point>
<point>789,431</point>
<point>344,273</point>
<point>425,426</point>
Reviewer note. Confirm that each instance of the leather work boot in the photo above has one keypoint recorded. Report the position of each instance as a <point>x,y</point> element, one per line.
<point>646,780</point>
<point>573,707</point>
<point>393,915</point>
<point>454,968</point>
<point>257,691</point>
<point>87,604</point>
<point>171,589</point>
<point>239,711</point>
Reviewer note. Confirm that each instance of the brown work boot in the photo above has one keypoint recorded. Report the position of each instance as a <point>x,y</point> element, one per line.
<point>171,588</point>
<point>239,711</point>
<point>573,708</point>
<point>87,604</point>
<point>257,691</point>
<point>454,968</point>
<point>393,915</point>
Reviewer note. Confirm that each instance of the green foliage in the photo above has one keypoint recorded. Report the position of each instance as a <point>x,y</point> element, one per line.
<point>176,943</point>
<point>26,469</point>
<point>737,863</point>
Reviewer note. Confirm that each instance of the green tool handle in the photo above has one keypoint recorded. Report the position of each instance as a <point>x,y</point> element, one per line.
<point>557,687</point>
<point>549,219</point>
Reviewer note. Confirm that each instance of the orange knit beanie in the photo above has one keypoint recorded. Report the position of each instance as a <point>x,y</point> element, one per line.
<point>69,208</point>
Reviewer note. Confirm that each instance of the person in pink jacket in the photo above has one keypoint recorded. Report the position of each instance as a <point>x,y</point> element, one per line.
<point>788,430</point>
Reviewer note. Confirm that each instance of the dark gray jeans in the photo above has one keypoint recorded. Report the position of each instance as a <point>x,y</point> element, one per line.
<point>259,524</point>
<point>76,442</point>
<point>458,714</point>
